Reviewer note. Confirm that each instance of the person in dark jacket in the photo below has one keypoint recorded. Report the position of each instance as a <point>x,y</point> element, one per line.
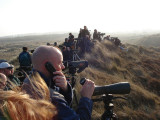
<point>66,43</point>
<point>61,92</point>
<point>71,41</point>
<point>25,59</point>
<point>80,33</point>
<point>71,38</point>
<point>67,54</point>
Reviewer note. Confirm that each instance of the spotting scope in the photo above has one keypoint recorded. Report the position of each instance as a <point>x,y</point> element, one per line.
<point>116,88</point>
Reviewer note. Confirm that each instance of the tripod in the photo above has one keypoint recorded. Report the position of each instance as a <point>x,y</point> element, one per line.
<point>108,105</point>
<point>73,82</point>
<point>75,56</point>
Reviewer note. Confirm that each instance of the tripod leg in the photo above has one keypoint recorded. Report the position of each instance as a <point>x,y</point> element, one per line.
<point>75,96</point>
<point>77,57</point>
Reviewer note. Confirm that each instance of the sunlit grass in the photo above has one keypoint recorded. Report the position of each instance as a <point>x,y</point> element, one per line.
<point>139,66</point>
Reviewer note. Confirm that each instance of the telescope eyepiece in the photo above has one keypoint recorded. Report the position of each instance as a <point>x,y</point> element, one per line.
<point>82,81</point>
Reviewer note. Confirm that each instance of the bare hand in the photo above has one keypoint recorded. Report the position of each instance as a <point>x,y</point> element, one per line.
<point>88,89</point>
<point>60,80</point>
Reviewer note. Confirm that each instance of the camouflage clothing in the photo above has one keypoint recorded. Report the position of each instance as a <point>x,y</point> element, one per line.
<point>95,35</point>
<point>85,32</point>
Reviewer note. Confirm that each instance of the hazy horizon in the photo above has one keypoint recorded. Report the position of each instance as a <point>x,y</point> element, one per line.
<point>76,32</point>
<point>61,16</point>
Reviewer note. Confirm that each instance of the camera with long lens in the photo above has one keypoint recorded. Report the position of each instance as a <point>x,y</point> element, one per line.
<point>77,66</point>
<point>101,34</point>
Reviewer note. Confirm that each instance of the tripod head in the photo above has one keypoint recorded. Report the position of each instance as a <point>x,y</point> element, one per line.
<point>108,105</point>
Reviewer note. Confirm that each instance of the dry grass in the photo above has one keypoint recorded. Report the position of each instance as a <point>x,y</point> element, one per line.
<point>11,47</point>
<point>139,66</point>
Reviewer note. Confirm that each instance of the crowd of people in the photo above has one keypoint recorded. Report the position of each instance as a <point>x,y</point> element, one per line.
<point>33,98</point>
<point>84,43</point>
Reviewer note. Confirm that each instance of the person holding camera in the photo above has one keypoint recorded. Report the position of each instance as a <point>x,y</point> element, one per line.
<point>61,91</point>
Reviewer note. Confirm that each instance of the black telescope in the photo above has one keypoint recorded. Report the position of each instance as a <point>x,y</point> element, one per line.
<point>77,64</point>
<point>116,88</point>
